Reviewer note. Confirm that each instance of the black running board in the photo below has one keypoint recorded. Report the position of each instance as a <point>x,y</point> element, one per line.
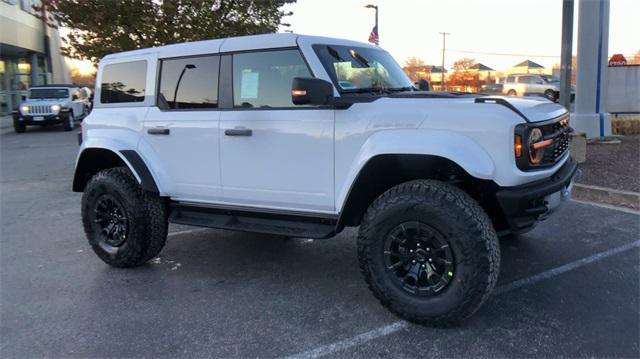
<point>284,224</point>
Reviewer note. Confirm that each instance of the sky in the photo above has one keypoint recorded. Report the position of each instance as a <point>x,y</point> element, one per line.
<point>411,27</point>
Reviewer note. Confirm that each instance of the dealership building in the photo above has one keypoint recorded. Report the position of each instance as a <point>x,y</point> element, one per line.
<point>29,53</point>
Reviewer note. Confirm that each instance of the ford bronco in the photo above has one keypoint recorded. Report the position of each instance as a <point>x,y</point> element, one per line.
<point>302,136</point>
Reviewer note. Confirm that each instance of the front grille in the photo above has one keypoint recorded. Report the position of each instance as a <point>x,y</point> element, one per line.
<point>39,109</point>
<point>559,132</point>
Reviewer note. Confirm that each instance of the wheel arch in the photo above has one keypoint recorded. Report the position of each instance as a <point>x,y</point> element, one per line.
<point>384,171</point>
<point>94,159</point>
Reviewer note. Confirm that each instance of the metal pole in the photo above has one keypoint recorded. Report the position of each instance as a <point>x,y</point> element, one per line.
<point>566,52</point>
<point>442,79</point>
<point>377,28</point>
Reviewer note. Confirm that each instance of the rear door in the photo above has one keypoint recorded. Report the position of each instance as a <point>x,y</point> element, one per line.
<point>182,129</point>
<point>274,154</point>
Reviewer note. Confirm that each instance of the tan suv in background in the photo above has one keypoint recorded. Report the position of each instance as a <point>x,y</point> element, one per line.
<point>533,84</point>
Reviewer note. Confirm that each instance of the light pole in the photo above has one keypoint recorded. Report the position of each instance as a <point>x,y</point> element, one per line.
<point>375,7</point>
<point>444,36</point>
<point>175,93</point>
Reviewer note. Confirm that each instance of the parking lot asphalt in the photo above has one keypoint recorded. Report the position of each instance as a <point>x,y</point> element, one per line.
<point>569,288</point>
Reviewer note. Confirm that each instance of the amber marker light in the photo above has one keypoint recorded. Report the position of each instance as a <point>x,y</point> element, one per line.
<point>298,93</point>
<point>517,146</point>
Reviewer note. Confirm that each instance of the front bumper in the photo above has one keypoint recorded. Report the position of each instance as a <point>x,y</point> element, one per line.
<point>524,205</point>
<point>41,120</point>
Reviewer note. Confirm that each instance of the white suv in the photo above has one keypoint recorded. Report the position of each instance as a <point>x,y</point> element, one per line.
<point>303,136</point>
<point>50,105</point>
<point>533,84</point>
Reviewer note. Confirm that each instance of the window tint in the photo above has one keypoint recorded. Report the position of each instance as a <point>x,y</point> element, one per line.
<point>511,79</point>
<point>189,83</point>
<point>124,82</point>
<point>523,80</point>
<point>263,79</point>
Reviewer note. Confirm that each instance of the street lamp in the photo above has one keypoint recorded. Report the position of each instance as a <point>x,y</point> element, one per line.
<point>377,30</point>
<point>175,93</point>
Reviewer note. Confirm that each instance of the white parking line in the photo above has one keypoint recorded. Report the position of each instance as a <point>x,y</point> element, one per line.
<point>608,206</point>
<point>401,324</point>
<point>187,231</point>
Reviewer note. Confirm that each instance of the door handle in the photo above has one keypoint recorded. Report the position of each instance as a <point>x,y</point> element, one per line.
<point>158,131</point>
<point>238,132</point>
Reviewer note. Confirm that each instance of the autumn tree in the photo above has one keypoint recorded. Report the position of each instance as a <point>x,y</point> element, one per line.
<point>415,68</point>
<point>99,27</point>
<point>463,75</point>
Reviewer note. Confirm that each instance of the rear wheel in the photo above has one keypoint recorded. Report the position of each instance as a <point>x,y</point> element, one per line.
<point>551,95</point>
<point>429,252</point>
<point>125,225</point>
<point>512,93</point>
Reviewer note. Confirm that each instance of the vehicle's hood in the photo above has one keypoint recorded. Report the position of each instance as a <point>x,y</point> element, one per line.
<point>534,108</point>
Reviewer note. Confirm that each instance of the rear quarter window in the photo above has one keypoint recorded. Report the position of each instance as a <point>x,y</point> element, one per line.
<point>123,82</point>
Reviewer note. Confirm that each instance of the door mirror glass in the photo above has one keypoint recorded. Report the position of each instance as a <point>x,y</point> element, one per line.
<point>311,91</point>
<point>423,85</point>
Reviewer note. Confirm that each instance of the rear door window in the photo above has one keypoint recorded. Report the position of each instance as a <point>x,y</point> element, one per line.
<point>189,83</point>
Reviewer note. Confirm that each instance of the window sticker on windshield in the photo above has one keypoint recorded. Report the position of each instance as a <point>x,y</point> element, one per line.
<point>249,85</point>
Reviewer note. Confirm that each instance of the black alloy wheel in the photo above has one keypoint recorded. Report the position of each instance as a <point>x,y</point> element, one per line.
<point>419,257</point>
<point>110,221</point>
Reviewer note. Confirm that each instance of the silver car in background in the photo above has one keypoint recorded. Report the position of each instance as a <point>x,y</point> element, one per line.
<point>533,85</point>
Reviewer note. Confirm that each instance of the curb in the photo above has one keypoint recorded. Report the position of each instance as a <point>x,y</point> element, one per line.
<point>606,195</point>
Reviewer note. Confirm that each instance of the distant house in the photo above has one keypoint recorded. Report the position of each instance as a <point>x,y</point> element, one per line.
<point>485,73</point>
<point>528,67</point>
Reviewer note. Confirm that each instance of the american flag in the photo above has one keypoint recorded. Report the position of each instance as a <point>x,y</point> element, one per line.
<point>373,36</point>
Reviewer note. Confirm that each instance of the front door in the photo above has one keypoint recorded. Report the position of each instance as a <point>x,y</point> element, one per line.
<point>182,130</point>
<point>272,153</point>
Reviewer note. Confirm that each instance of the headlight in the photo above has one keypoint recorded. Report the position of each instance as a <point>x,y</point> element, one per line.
<point>535,153</point>
<point>24,108</point>
<point>55,108</point>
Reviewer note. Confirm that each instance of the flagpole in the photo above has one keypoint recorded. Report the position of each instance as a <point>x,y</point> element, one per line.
<point>375,7</point>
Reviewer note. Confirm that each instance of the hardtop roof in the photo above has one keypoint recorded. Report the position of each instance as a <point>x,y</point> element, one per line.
<point>231,44</point>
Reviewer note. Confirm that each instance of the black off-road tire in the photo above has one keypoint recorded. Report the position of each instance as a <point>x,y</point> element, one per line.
<point>19,127</point>
<point>512,93</point>
<point>146,217</point>
<point>469,233</point>
<point>68,123</point>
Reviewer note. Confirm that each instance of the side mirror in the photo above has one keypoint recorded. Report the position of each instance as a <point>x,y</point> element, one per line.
<point>423,85</point>
<point>74,97</point>
<point>311,91</point>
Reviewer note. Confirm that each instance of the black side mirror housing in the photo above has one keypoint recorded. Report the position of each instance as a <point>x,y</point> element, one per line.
<point>423,85</point>
<point>74,97</point>
<point>311,91</point>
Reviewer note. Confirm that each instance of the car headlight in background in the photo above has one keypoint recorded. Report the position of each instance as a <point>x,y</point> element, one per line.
<point>24,108</point>
<point>55,108</point>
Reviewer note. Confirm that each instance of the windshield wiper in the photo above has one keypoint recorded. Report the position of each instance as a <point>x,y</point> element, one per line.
<point>371,90</point>
<point>399,89</point>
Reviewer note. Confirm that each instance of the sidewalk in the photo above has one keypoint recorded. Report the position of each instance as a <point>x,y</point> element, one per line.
<point>6,122</point>
<point>611,174</point>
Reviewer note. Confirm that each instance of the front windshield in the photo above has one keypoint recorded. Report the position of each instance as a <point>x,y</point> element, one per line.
<point>549,78</point>
<point>360,69</point>
<point>48,93</point>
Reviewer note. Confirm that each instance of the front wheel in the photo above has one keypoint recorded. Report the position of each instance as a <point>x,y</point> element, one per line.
<point>125,225</point>
<point>19,127</point>
<point>69,122</point>
<point>429,252</point>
